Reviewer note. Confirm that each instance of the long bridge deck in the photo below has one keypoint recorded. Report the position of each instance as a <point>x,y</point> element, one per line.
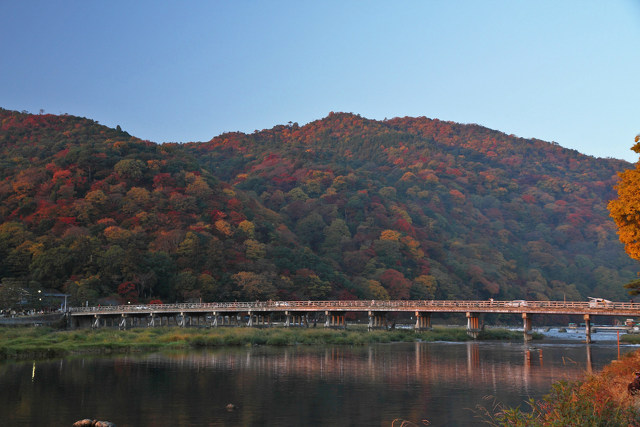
<point>297,313</point>
<point>425,306</point>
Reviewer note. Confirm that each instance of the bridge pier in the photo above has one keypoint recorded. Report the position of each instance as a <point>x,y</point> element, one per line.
<point>123,322</point>
<point>334,320</point>
<point>264,320</point>
<point>423,321</point>
<point>181,320</point>
<point>381,321</point>
<point>526,320</point>
<point>473,325</point>
<point>377,320</point>
<point>587,328</point>
<point>214,319</point>
<point>294,319</point>
<point>96,323</point>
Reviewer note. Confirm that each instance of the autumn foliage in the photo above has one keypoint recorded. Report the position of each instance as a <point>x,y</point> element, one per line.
<point>625,210</point>
<point>343,207</point>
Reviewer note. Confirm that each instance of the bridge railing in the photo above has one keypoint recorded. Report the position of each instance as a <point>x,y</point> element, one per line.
<point>516,305</point>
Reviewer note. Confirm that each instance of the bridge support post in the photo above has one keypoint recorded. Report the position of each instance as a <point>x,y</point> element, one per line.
<point>473,325</point>
<point>250,321</point>
<point>526,321</point>
<point>338,321</point>
<point>423,321</point>
<point>587,328</point>
<point>382,321</point>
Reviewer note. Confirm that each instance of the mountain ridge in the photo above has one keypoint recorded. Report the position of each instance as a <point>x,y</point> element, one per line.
<point>342,207</point>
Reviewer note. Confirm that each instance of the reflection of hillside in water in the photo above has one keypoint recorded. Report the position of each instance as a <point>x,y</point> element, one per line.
<point>513,366</point>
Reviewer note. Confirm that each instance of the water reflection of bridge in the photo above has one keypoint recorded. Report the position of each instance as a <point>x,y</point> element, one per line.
<point>333,313</point>
<point>427,363</point>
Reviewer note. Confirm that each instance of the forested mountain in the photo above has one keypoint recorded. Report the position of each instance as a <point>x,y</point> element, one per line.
<point>343,207</point>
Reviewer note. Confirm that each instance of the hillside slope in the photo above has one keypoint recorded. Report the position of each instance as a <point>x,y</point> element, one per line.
<point>453,209</point>
<point>343,207</point>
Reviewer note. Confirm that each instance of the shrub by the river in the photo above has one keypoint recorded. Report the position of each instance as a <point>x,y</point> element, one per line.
<point>599,400</point>
<point>630,338</point>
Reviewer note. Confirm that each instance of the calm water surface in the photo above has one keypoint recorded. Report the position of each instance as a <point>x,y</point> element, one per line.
<point>294,386</point>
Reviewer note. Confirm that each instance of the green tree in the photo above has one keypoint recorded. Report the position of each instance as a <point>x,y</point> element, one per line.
<point>254,249</point>
<point>164,272</point>
<point>310,229</point>
<point>424,287</point>
<point>186,286</point>
<point>310,286</point>
<point>132,169</point>
<point>253,286</point>
<point>209,287</point>
<point>336,235</point>
<point>52,267</point>
<point>11,294</point>
<point>190,251</point>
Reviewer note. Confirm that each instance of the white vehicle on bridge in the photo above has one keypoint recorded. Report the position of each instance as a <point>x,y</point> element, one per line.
<point>599,303</point>
<point>516,303</point>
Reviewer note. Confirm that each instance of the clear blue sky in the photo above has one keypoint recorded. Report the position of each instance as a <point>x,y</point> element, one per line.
<point>564,71</point>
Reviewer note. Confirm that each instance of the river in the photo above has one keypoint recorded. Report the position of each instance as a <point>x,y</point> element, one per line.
<point>297,386</point>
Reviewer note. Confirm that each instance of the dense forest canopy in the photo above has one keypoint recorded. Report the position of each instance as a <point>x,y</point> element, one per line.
<point>340,208</point>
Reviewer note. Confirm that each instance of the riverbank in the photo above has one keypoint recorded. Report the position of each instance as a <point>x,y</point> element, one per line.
<point>44,342</point>
<point>630,338</point>
<point>601,399</point>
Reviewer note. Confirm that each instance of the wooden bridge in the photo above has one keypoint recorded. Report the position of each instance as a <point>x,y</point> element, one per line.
<point>333,313</point>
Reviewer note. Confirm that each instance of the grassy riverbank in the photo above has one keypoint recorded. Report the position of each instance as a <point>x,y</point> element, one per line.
<point>630,338</point>
<point>599,400</point>
<point>43,342</point>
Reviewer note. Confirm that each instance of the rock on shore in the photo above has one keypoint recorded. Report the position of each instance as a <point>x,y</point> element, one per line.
<point>93,423</point>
